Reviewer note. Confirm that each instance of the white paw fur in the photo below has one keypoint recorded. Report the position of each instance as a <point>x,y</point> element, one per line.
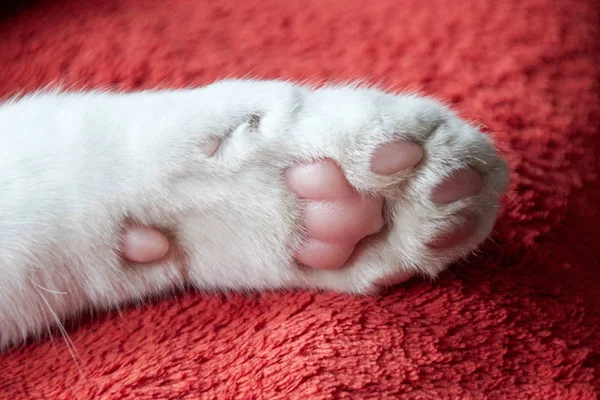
<point>76,166</point>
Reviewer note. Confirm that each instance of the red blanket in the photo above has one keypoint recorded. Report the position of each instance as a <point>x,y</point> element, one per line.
<point>519,320</point>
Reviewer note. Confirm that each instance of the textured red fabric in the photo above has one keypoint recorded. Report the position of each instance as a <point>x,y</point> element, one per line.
<point>518,321</point>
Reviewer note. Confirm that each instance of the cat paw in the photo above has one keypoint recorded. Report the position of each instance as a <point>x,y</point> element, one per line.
<point>297,180</point>
<point>436,180</point>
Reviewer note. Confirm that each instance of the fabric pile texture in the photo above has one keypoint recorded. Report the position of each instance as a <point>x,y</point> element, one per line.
<point>517,320</point>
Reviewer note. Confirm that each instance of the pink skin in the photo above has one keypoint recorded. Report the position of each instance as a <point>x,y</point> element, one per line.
<point>336,217</point>
<point>142,244</point>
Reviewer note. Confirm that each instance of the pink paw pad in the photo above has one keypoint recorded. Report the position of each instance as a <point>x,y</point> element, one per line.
<point>143,244</point>
<point>460,185</point>
<point>336,216</point>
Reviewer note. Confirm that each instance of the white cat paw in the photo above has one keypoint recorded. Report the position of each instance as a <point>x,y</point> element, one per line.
<point>436,212</point>
<point>439,202</point>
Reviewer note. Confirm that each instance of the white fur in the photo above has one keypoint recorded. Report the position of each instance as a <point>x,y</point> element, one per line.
<point>75,166</point>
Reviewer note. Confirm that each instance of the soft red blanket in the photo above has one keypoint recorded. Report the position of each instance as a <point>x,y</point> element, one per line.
<point>520,320</point>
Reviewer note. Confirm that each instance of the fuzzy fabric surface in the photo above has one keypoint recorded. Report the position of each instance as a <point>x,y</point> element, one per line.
<point>518,320</point>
